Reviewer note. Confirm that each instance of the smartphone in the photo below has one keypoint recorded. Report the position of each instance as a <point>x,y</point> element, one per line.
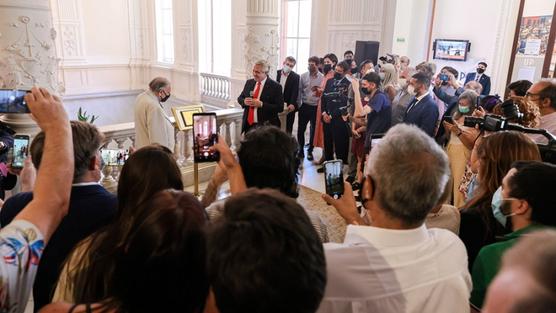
<point>333,178</point>
<point>443,77</point>
<point>448,119</point>
<point>114,156</point>
<point>13,101</point>
<point>204,137</point>
<point>20,150</point>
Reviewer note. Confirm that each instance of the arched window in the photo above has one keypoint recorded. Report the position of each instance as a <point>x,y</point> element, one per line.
<point>164,31</point>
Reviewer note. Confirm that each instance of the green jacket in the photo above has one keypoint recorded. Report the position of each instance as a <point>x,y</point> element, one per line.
<point>487,263</point>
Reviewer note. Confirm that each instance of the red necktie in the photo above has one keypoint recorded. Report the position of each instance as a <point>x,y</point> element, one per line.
<point>251,115</point>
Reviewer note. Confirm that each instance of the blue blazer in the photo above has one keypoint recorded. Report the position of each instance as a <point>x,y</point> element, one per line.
<point>484,81</point>
<point>90,208</point>
<point>424,115</point>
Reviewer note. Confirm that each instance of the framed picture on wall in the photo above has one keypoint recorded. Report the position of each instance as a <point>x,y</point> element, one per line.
<point>184,115</point>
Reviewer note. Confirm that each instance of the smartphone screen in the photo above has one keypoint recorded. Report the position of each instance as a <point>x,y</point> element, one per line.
<point>204,137</point>
<point>20,150</point>
<point>333,178</point>
<point>13,101</point>
<point>114,156</point>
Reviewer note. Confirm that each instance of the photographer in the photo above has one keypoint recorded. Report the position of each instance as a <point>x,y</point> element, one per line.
<point>460,141</point>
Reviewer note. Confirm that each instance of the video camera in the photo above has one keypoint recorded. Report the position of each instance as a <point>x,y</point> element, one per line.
<point>494,123</point>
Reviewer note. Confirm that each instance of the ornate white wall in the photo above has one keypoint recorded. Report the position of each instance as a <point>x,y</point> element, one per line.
<point>337,24</point>
<point>107,48</point>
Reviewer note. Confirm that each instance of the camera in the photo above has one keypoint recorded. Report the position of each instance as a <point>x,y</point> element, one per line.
<point>510,110</point>
<point>495,123</point>
<point>490,122</point>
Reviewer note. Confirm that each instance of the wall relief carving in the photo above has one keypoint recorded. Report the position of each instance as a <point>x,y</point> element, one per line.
<point>27,54</point>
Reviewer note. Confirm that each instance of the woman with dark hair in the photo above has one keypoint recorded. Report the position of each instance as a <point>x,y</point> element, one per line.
<point>495,153</point>
<point>146,172</point>
<point>159,265</point>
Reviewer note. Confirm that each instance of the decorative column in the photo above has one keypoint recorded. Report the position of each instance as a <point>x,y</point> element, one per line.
<point>255,26</point>
<point>262,40</point>
<point>27,53</point>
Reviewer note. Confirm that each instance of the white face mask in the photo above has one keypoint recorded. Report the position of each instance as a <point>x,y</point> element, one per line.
<point>411,90</point>
<point>286,69</point>
<point>402,81</point>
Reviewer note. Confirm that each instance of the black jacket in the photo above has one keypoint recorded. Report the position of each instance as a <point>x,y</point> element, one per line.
<point>291,89</point>
<point>272,98</point>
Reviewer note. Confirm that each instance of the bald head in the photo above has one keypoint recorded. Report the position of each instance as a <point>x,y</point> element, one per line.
<point>161,87</point>
<point>543,93</point>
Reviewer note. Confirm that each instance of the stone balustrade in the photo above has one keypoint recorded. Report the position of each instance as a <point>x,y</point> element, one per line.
<point>122,136</point>
<point>215,89</point>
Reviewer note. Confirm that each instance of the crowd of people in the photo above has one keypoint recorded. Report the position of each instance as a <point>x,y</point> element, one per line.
<point>444,213</point>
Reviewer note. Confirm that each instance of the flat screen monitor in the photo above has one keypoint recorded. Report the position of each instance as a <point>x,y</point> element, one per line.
<point>450,49</point>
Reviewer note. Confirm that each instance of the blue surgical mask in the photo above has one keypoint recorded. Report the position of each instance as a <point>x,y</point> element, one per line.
<point>463,109</point>
<point>497,204</point>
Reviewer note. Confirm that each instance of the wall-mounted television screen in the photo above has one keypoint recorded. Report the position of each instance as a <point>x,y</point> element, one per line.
<point>452,50</point>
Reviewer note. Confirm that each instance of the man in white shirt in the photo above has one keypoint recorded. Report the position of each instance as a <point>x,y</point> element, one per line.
<point>543,94</point>
<point>152,125</point>
<point>396,264</point>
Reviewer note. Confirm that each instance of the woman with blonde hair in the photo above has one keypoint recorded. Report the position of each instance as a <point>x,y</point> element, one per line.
<point>389,77</point>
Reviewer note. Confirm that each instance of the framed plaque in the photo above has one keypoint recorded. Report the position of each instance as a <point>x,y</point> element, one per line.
<point>184,115</point>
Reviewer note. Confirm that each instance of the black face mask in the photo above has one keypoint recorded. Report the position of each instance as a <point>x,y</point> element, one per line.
<point>354,70</point>
<point>480,70</point>
<point>327,68</point>
<point>338,76</point>
<point>163,99</point>
<point>365,91</point>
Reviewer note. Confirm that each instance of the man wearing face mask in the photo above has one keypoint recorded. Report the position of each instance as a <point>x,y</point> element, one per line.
<point>334,106</point>
<point>422,111</point>
<point>379,110</point>
<point>152,125</point>
<point>543,95</point>
<point>480,77</point>
<point>526,199</point>
<point>308,100</point>
<point>290,88</point>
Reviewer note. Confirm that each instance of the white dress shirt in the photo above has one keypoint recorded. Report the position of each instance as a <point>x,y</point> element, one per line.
<point>383,270</point>
<point>255,118</point>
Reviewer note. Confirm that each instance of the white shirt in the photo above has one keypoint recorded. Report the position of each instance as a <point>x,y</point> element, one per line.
<point>385,270</point>
<point>548,122</point>
<point>255,118</point>
<point>419,98</point>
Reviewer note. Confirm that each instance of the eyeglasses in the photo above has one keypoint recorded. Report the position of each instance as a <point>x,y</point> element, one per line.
<point>530,94</point>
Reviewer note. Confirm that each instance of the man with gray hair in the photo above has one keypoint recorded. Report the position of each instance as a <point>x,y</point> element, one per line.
<point>261,99</point>
<point>390,261</point>
<point>152,125</point>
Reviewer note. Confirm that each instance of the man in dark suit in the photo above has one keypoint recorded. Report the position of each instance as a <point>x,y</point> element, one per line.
<point>90,207</point>
<point>422,111</point>
<point>481,77</point>
<point>289,80</point>
<point>261,99</point>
